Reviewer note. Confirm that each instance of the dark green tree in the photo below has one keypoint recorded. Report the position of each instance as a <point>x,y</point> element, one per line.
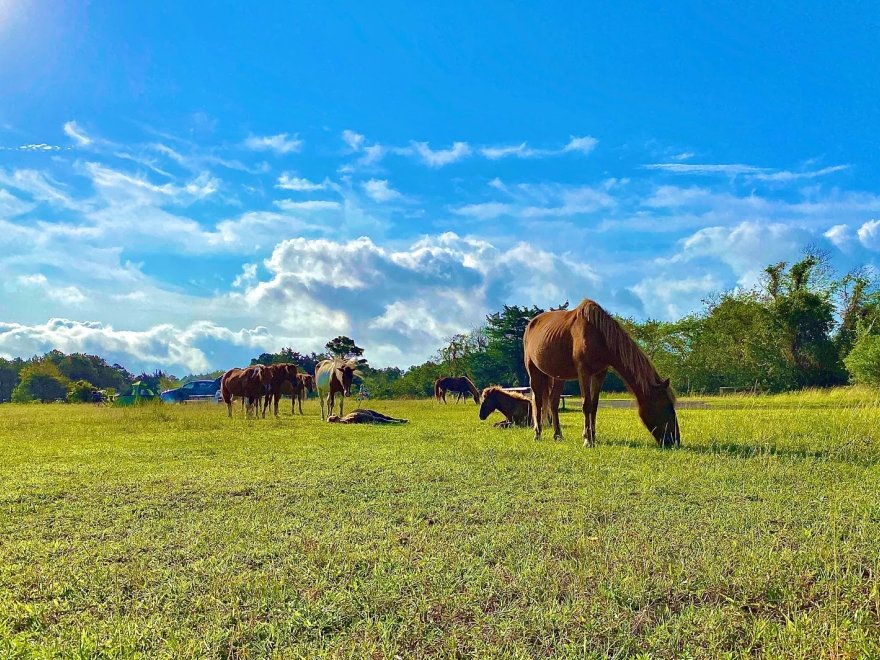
<point>343,347</point>
<point>40,381</point>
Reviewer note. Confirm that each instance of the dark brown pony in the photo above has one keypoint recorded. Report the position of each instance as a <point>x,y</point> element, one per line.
<point>249,384</point>
<point>516,408</point>
<point>279,375</point>
<point>297,389</point>
<point>457,385</point>
<point>583,343</point>
<point>334,377</point>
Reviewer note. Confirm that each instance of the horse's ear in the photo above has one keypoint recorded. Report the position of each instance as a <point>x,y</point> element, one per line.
<point>665,383</point>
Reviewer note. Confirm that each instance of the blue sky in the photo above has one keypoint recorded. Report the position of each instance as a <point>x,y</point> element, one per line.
<point>182,189</point>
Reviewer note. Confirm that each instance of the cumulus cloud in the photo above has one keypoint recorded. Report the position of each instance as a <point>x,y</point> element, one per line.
<point>746,248</point>
<point>165,345</point>
<point>380,191</point>
<point>281,143</point>
<point>670,298</point>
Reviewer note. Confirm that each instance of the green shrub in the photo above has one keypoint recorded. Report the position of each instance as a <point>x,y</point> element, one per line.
<point>863,361</point>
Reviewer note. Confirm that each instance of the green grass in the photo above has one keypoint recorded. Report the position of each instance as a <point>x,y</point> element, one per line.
<point>171,531</point>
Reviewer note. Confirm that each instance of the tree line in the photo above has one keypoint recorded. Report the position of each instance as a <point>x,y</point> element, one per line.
<point>802,326</point>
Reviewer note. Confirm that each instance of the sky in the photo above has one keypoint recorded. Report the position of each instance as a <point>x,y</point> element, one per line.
<point>183,189</point>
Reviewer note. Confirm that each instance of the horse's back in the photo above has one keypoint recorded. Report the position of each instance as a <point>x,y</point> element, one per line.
<point>548,343</point>
<point>323,372</point>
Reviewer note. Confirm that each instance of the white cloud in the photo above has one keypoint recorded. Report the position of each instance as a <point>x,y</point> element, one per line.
<point>66,295</point>
<point>541,200</point>
<point>785,176</point>
<point>869,234</point>
<point>11,206</point>
<point>520,151</point>
<point>354,140</point>
<point>840,235</point>
<point>730,169</point>
<point>280,144</point>
<point>583,145</point>
<point>138,189</point>
<point>441,157</point>
<point>163,345</point>
<point>72,130</point>
<point>308,205</point>
<point>746,248</point>
<point>379,191</point>
<point>670,298</point>
<point>750,171</point>
<point>39,147</point>
<point>287,182</point>
<point>485,210</point>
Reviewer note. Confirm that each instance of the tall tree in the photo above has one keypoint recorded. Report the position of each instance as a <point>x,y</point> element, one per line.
<point>343,347</point>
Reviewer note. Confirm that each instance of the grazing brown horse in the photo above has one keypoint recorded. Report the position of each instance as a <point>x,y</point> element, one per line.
<point>249,384</point>
<point>516,408</point>
<point>297,389</point>
<point>583,343</point>
<point>334,377</point>
<point>279,375</point>
<point>456,384</point>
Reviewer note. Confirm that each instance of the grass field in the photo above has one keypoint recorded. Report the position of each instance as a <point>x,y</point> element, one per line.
<point>172,531</point>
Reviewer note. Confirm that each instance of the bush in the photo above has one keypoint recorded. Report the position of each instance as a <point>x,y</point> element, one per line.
<point>863,361</point>
<point>80,392</point>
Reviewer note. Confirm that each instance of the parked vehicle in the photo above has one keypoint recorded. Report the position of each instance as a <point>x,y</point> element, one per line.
<point>195,390</point>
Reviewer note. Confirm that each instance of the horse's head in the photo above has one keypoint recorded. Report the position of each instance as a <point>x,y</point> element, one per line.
<point>487,407</point>
<point>658,414</point>
<point>308,382</point>
<point>345,373</point>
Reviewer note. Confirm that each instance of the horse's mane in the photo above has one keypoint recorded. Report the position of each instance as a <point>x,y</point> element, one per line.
<point>350,363</point>
<point>618,341</point>
<point>500,390</point>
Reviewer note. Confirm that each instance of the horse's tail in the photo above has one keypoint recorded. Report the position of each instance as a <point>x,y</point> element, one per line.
<point>437,388</point>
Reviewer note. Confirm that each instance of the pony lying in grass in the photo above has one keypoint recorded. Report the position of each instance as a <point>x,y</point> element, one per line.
<point>365,416</point>
<point>516,408</point>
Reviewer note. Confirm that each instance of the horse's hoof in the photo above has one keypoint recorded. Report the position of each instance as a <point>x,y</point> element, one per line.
<point>558,438</point>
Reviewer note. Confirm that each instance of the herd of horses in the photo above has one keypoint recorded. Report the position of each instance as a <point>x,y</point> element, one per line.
<point>259,385</point>
<point>582,343</point>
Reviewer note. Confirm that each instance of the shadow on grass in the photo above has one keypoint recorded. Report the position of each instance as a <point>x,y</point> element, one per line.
<point>844,454</point>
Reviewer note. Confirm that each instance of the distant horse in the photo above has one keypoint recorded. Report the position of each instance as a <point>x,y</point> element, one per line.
<point>583,343</point>
<point>516,408</point>
<point>334,377</point>
<point>249,384</point>
<point>457,385</point>
<point>297,389</point>
<point>279,375</point>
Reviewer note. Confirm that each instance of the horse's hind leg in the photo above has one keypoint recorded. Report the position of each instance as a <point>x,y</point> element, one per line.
<point>555,393</point>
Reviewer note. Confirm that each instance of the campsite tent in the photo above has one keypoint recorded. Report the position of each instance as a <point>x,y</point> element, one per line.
<point>139,393</point>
